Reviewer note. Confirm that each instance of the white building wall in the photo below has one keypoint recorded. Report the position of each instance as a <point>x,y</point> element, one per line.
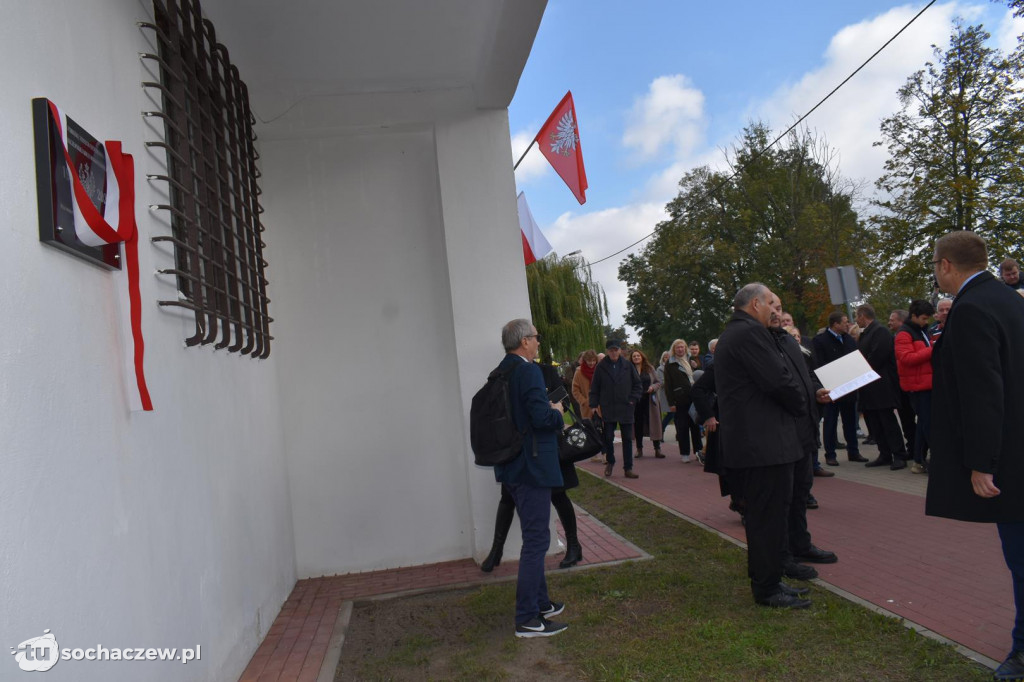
<point>397,260</point>
<point>367,355</point>
<point>163,529</point>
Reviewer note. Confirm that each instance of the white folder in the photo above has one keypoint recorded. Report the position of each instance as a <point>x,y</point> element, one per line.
<point>846,375</point>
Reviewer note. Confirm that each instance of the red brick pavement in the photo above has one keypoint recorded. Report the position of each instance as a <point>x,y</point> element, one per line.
<point>297,643</point>
<point>944,575</point>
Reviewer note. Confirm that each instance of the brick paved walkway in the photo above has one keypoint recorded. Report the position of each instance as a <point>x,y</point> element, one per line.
<point>298,642</point>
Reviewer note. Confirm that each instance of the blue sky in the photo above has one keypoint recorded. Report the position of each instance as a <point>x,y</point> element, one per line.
<point>662,87</point>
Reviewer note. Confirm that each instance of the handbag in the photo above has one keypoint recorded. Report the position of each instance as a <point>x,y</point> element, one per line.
<point>580,440</point>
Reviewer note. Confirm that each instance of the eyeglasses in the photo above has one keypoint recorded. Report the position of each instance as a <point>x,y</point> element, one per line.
<point>533,336</point>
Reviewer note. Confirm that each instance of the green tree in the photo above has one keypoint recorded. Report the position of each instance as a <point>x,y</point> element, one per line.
<point>786,216</point>
<point>954,159</point>
<point>568,307</point>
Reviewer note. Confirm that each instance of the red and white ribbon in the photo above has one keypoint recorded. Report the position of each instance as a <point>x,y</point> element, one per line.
<point>95,229</point>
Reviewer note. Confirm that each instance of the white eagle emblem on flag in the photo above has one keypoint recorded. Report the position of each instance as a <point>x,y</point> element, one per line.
<point>563,140</point>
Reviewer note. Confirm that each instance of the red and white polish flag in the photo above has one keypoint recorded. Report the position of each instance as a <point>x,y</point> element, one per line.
<point>96,228</point>
<point>559,142</point>
<point>535,244</point>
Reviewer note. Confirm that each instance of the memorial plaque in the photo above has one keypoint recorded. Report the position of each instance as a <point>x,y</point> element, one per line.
<point>53,185</point>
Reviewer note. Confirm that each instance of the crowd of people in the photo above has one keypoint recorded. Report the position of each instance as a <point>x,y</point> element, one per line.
<point>755,412</point>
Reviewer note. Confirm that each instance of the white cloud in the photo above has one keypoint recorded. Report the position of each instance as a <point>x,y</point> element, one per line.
<point>1005,35</point>
<point>670,114</point>
<point>534,165</point>
<point>602,232</point>
<point>850,118</point>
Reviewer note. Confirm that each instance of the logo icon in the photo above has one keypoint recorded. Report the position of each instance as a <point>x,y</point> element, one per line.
<point>38,654</point>
<point>564,138</point>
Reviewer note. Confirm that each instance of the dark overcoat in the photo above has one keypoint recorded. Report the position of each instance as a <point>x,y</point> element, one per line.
<point>978,405</point>
<point>759,399</point>
<point>827,348</point>
<point>809,384</point>
<point>876,345</point>
<point>532,413</point>
<point>615,389</point>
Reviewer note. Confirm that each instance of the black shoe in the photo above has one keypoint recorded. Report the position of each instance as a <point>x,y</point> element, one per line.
<point>879,462</point>
<point>812,502</point>
<point>539,627</point>
<point>492,561</point>
<point>840,446</point>
<point>869,441</point>
<point>553,609</point>
<point>857,458</point>
<point>573,555</point>
<point>799,571</point>
<point>1012,668</point>
<point>781,600</point>
<point>835,462</point>
<point>898,464</point>
<point>814,555</point>
<point>793,591</point>
<point>639,453</point>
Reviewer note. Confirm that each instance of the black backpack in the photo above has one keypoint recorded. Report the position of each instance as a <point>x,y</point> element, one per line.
<point>492,432</point>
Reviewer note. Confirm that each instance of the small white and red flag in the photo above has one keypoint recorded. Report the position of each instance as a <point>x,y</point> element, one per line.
<point>535,245</point>
<point>559,142</point>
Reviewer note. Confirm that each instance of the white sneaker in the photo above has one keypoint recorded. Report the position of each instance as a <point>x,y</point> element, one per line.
<point>686,459</point>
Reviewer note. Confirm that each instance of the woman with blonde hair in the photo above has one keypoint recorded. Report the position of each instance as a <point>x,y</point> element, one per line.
<point>647,413</point>
<point>678,380</point>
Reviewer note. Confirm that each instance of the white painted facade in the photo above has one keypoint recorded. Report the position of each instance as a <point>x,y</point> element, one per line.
<point>395,258</point>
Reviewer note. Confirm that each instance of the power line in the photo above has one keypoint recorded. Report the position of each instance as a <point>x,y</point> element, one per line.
<point>800,120</point>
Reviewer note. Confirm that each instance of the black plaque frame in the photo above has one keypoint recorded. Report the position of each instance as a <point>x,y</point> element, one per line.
<point>55,197</point>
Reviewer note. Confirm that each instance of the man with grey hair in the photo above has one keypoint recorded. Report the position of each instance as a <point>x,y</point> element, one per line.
<point>760,406</point>
<point>531,476</point>
<point>941,311</point>
<point>709,358</point>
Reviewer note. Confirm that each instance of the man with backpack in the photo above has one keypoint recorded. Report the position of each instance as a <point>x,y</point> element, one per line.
<point>531,475</point>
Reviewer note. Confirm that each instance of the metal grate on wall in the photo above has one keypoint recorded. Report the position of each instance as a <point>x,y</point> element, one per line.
<point>214,209</point>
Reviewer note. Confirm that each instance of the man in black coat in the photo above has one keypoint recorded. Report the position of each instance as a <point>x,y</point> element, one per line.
<point>761,406</point>
<point>879,399</point>
<point>614,391</point>
<point>799,547</point>
<point>829,346</point>
<point>977,470</point>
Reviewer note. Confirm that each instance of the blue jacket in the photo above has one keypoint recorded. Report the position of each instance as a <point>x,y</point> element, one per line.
<point>533,414</point>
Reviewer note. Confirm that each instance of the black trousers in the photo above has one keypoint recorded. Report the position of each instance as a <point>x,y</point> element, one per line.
<point>796,527</point>
<point>908,421</point>
<point>768,493</point>
<point>883,426</point>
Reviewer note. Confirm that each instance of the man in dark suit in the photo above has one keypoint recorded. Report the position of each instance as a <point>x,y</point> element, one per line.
<point>977,471</point>
<point>799,547</point>
<point>531,476</point>
<point>828,346</point>
<point>879,399</point>
<point>760,403</point>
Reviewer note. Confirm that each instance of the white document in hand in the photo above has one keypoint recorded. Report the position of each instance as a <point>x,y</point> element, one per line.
<point>846,375</point>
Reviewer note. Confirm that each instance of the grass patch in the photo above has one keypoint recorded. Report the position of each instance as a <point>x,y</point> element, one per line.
<point>685,615</point>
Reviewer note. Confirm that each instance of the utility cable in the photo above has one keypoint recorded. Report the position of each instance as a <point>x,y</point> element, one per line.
<point>758,155</point>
